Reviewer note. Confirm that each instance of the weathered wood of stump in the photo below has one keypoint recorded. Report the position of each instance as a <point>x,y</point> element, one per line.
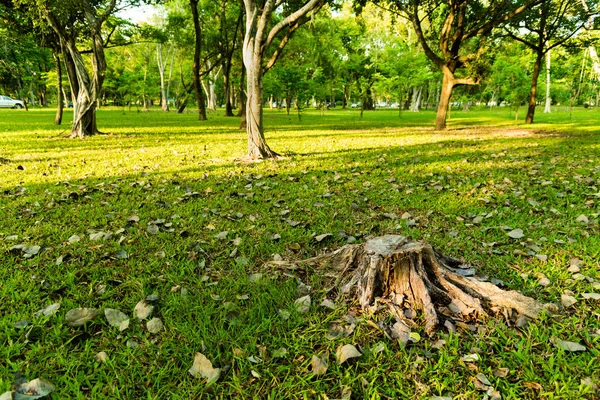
<point>411,275</point>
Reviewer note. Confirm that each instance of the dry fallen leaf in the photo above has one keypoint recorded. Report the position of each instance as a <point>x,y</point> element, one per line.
<point>155,325</point>
<point>516,233</point>
<point>346,352</point>
<point>471,357</point>
<point>570,346</point>
<point>48,310</point>
<point>34,389</point>
<point>319,364</point>
<point>303,304</point>
<point>101,356</point>
<point>203,367</point>
<point>591,296</point>
<point>533,385</point>
<point>143,310</point>
<point>567,301</point>
<point>79,316</point>
<point>116,318</point>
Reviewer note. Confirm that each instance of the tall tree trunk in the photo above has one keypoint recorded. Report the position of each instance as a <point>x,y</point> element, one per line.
<point>170,76</point>
<point>416,99</point>
<point>533,91</point>
<point>445,95</point>
<point>59,90</point>
<point>257,145</point>
<point>227,89</point>
<point>196,67</point>
<point>164,102</point>
<point>242,99</point>
<point>547,108</point>
<point>227,64</point>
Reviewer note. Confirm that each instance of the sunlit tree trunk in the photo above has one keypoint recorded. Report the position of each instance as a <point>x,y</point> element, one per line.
<point>196,66</point>
<point>533,91</point>
<point>162,66</point>
<point>59,90</point>
<point>548,98</point>
<point>445,95</point>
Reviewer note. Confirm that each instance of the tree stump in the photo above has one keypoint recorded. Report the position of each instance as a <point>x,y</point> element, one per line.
<point>410,275</point>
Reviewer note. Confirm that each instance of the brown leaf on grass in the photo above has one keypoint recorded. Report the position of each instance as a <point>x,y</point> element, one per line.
<point>143,310</point>
<point>346,352</point>
<point>533,385</point>
<point>319,364</point>
<point>34,389</point>
<point>203,368</point>
<point>79,316</point>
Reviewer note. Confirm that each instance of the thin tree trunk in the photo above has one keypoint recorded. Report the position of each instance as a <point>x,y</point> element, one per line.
<point>59,91</point>
<point>170,76</point>
<point>533,91</point>
<point>242,99</point>
<point>227,89</point>
<point>228,63</point>
<point>547,108</point>
<point>445,95</point>
<point>161,71</point>
<point>196,67</point>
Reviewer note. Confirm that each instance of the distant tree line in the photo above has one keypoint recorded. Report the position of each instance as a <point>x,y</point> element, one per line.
<point>250,54</point>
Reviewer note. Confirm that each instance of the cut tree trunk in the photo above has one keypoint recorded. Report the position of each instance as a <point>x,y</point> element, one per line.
<point>533,91</point>
<point>411,278</point>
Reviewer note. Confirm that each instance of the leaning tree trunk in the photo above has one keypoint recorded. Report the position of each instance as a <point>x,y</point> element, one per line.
<point>414,280</point>
<point>59,91</point>
<point>533,91</point>
<point>445,95</point>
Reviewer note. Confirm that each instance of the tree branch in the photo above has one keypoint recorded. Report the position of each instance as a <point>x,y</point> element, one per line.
<point>292,19</point>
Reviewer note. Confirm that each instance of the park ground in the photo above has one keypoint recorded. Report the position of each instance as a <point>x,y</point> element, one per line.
<point>160,205</point>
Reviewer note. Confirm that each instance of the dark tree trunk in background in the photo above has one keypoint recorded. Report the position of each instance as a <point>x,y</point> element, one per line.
<point>228,61</point>
<point>242,99</point>
<point>533,91</point>
<point>196,67</point>
<point>59,91</point>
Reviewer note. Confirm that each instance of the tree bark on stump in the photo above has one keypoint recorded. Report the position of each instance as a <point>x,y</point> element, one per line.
<point>410,275</point>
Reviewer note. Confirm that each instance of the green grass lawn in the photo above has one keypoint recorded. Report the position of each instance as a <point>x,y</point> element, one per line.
<point>465,189</point>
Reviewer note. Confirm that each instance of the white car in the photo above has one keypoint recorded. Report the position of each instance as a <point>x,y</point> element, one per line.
<point>7,102</point>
